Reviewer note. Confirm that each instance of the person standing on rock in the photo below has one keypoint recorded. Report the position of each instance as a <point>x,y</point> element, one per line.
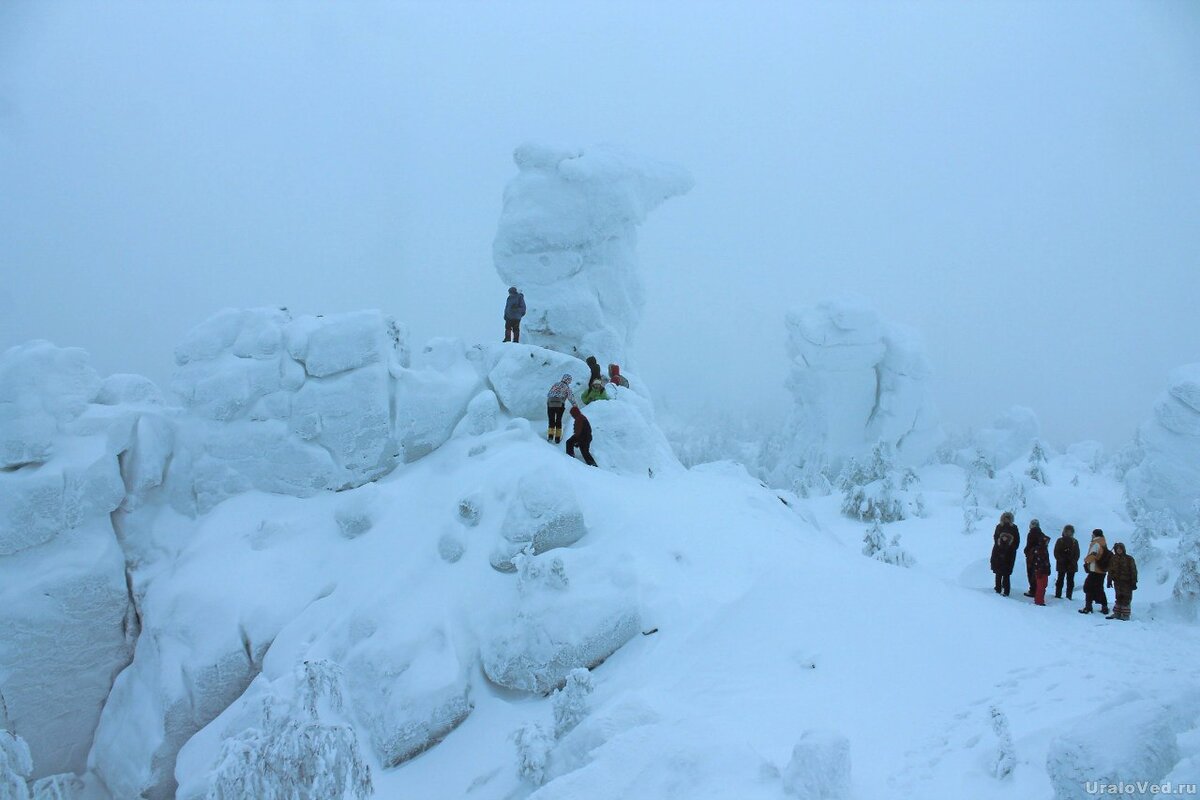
<point>1005,542</point>
<point>1093,564</point>
<point>615,377</point>
<point>514,310</point>
<point>556,401</point>
<point>581,437</point>
<point>1041,566</point>
<point>1032,540</point>
<point>1122,576</point>
<point>1066,561</point>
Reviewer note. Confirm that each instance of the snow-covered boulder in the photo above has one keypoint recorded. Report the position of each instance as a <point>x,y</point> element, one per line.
<point>820,767</point>
<point>283,404</point>
<point>544,514</point>
<point>521,375</point>
<point>1168,477</point>
<point>625,438</point>
<point>857,381</point>
<point>1139,744</point>
<point>42,388</point>
<point>567,237</point>
<point>557,624</point>
<point>483,415</point>
<point>434,396</point>
<point>125,389</point>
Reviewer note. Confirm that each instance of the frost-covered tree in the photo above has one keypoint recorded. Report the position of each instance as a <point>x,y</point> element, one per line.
<point>873,540</point>
<point>1006,759</point>
<point>982,465</point>
<point>1036,470</point>
<point>869,492</point>
<point>1187,584</point>
<point>895,554</point>
<point>16,765</point>
<point>1075,481</point>
<point>533,749</point>
<point>1013,496</point>
<point>571,701</point>
<point>296,754</point>
<point>1148,525</point>
<point>970,503</point>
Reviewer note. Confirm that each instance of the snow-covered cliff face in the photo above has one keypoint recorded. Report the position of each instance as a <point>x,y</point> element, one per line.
<point>568,236</point>
<point>856,381</point>
<point>1168,478</point>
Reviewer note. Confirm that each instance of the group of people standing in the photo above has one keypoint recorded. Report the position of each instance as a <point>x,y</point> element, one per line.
<point>560,393</point>
<point>1100,563</point>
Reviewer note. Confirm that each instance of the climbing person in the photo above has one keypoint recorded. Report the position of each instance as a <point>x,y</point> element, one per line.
<point>1005,542</point>
<point>1122,576</point>
<point>594,392</point>
<point>556,401</point>
<point>615,376</point>
<point>1032,540</point>
<point>581,437</point>
<point>594,366</point>
<point>1094,564</point>
<point>1066,561</point>
<point>1041,566</point>
<point>514,310</point>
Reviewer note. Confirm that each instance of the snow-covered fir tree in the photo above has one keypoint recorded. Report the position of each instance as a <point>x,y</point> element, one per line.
<point>873,540</point>
<point>1187,584</point>
<point>982,465</point>
<point>970,503</point>
<point>571,702</point>
<point>1036,469</point>
<point>533,749</point>
<point>1014,496</point>
<point>296,754</point>
<point>870,491</point>
<point>1005,760</point>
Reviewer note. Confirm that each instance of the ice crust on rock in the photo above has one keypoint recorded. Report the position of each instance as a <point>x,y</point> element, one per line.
<point>819,768</point>
<point>1168,477</point>
<point>567,237</point>
<point>857,381</point>
<point>42,388</point>
<point>521,375</point>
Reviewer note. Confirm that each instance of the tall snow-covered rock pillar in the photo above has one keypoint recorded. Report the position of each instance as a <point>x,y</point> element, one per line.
<point>567,237</point>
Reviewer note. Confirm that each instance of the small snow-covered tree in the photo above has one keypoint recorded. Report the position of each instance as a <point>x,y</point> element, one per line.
<point>295,754</point>
<point>1075,481</point>
<point>1187,584</point>
<point>982,465</point>
<point>533,749</point>
<point>1036,470</point>
<point>970,503</point>
<point>1014,495</point>
<point>571,701</point>
<point>895,554</point>
<point>873,540</point>
<point>853,474</point>
<point>1006,759</point>
<point>16,765</point>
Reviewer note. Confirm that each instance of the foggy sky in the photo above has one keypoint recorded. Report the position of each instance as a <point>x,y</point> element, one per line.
<point>1019,182</point>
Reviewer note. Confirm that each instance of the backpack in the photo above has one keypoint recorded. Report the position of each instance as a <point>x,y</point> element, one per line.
<point>1102,561</point>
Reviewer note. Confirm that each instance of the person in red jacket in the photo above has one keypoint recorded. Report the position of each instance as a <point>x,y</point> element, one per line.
<point>1041,566</point>
<point>581,437</point>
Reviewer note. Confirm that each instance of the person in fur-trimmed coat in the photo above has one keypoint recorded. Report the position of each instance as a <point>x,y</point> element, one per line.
<point>1122,576</point>
<point>1093,565</point>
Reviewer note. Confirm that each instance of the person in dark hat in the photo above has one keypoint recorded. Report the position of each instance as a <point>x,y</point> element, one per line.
<point>1005,542</point>
<point>1066,561</point>
<point>581,437</point>
<point>1093,564</point>
<point>1122,576</point>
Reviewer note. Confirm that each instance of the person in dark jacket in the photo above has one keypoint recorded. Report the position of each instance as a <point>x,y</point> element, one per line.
<point>1032,540</point>
<point>1066,561</point>
<point>615,376</point>
<point>1005,542</point>
<point>1122,576</point>
<point>1041,566</point>
<point>1093,565</point>
<point>581,437</point>
<point>514,310</point>
<point>594,366</point>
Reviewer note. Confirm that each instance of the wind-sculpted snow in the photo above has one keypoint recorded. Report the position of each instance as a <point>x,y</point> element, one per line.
<point>567,237</point>
<point>820,767</point>
<point>857,381</point>
<point>1168,477</point>
<point>543,515</point>
<point>521,375</point>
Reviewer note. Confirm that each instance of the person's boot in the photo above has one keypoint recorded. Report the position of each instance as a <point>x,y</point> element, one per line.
<point>1104,611</point>
<point>550,434</point>
<point>1086,609</point>
<point>1114,615</point>
<point>558,435</point>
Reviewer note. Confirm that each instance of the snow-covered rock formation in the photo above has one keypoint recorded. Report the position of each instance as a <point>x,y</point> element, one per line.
<point>567,237</point>
<point>65,608</point>
<point>1168,477</point>
<point>857,381</point>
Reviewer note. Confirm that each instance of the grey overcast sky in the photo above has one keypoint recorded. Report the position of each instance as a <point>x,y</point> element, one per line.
<point>1018,181</point>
